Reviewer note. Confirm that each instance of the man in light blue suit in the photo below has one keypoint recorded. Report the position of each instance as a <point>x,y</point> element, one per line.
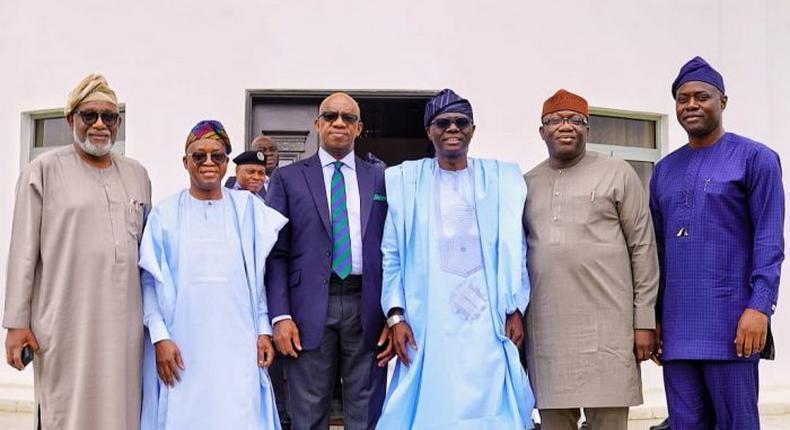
<point>455,284</point>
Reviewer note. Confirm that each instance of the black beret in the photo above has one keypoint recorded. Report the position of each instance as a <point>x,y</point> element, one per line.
<point>250,157</point>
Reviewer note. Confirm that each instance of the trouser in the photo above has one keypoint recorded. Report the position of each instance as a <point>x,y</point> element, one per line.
<point>598,418</point>
<point>707,395</point>
<point>311,376</point>
<point>277,375</point>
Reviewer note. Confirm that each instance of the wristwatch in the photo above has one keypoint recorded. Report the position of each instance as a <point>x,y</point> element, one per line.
<point>395,319</point>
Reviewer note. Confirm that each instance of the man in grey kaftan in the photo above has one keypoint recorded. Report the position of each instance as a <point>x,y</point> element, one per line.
<point>594,271</point>
<point>73,286</point>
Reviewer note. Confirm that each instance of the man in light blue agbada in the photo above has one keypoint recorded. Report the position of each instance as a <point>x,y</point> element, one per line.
<point>455,284</point>
<point>203,257</point>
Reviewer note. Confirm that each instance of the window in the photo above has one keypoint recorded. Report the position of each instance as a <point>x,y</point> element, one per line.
<point>632,136</point>
<point>48,129</point>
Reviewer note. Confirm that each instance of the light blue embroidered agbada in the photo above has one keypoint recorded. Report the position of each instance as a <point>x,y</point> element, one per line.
<point>454,258</point>
<point>203,267</point>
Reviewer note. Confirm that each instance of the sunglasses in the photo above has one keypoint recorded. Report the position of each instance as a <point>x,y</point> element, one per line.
<point>330,117</point>
<point>200,157</point>
<point>460,122</point>
<point>89,117</point>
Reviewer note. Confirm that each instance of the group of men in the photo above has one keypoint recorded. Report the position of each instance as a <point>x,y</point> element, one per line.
<point>168,317</point>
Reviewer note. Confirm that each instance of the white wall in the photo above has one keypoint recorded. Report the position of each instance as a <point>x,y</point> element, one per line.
<point>175,62</point>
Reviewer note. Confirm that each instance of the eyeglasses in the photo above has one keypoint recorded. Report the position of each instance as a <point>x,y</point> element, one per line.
<point>460,122</point>
<point>200,157</point>
<point>89,117</point>
<point>330,117</point>
<point>575,120</point>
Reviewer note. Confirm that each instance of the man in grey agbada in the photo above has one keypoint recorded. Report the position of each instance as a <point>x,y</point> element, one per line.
<point>73,286</point>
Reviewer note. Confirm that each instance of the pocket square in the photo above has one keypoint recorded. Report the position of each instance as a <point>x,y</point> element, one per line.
<point>379,197</point>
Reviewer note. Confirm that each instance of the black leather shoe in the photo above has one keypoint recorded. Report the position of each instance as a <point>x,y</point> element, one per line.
<point>663,426</point>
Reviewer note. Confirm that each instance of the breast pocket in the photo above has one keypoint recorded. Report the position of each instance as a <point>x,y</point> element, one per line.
<point>723,195</point>
<point>135,215</point>
<point>380,205</point>
<point>580,208</point>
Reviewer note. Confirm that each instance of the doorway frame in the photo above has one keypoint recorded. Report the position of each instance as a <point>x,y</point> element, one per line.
<point>251,95</point>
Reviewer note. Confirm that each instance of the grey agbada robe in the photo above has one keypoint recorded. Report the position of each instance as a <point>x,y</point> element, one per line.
<point>73,279</point>
<point>594,271</point>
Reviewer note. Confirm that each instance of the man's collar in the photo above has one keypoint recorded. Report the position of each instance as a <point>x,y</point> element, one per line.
<point>326,159</point>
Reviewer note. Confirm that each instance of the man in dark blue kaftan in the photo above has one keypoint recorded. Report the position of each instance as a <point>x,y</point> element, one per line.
<point>718,210</point>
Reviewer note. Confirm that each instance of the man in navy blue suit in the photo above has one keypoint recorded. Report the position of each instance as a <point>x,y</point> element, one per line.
<point>324,275</point>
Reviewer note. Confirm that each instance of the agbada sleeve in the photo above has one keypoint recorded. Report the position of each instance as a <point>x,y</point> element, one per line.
<point>392,288</point>
<point>151,254</point>
<point>268,227</point>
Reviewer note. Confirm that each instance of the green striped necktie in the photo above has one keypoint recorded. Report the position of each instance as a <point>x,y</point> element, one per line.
<point>341,238</point>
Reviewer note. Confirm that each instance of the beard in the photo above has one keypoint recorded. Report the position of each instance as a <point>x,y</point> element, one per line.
<point>91,148</point>
<point>701,131</point>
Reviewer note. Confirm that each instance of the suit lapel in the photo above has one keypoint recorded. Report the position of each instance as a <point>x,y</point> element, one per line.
<point>315,183</point>
<point>365,181</point>
<point>262,193</point>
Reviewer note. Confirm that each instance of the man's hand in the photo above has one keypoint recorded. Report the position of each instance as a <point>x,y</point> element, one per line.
<point>168,362</point>
<point>265,350</point>
<point>752,333</point>
<point>385,341</point>
<point>658,347</point>
<point>286,337</point>
<point>514,328</point>
<point>644,344</point>
<point>402,338</point>
<point>15,340</point>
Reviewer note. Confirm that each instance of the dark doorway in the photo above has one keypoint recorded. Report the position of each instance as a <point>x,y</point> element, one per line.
<point>393,130</point>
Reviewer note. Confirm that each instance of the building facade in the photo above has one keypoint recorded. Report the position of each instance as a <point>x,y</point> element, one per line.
<point>263,66</point>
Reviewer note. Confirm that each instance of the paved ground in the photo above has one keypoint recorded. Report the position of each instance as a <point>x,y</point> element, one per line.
<point>12,421</point>
<point>15,421</point>
<point>768,422</point>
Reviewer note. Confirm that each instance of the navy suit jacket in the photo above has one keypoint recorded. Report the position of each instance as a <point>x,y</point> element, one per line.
<point>299,266</point>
